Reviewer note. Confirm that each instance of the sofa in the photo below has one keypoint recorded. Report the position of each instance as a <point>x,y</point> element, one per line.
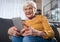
<point>4,26</point>
<point>57,32</point>
<point>6,23</point>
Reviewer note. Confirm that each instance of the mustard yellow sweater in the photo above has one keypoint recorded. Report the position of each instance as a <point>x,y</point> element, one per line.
<point>40,23</point>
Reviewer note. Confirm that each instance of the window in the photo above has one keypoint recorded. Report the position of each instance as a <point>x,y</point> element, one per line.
<point>52,10</point>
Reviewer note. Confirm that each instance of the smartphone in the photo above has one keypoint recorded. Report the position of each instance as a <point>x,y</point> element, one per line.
<point>18,23</point>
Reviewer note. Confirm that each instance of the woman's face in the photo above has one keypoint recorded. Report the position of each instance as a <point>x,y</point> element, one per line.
<point>29,11</point>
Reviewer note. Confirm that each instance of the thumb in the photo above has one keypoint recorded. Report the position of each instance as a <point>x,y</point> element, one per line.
<point>26,25</point>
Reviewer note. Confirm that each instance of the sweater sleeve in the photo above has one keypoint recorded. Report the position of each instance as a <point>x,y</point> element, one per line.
<point>47,29</point>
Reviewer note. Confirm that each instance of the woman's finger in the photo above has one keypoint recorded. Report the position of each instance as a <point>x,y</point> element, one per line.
<point>26,25</point>
<point>26,33</point>
<point>23,30</point>
<point>15,33</point>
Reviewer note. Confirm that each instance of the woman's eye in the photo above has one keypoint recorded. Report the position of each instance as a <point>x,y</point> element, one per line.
<point>30,8</point>
<point>25,9</point>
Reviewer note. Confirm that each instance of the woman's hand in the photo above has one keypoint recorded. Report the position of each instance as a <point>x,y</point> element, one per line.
<point>32,32</point>
<point>29,31</point>
<point>13,31</point>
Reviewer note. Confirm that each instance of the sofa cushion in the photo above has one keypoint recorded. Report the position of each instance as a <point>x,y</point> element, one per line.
<point>4,26</point>
<point>57,32</point>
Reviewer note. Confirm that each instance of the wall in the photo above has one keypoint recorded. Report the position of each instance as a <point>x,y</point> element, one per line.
<point>11,8</point>
<point>39,4</point>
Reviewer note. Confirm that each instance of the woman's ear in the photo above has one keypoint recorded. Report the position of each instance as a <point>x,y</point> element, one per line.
<point>35,10</point>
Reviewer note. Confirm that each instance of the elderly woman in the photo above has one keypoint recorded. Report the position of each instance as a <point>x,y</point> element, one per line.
<point>36,27</point>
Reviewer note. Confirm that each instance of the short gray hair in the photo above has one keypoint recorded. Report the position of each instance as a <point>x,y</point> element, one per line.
<point>32,3</point>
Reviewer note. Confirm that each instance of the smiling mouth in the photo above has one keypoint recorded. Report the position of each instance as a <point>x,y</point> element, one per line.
<point>28,14</point>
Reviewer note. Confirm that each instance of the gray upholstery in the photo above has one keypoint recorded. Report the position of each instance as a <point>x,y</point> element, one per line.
<point>56,32</point>
<point>4,26</point>
<point>6,23</point>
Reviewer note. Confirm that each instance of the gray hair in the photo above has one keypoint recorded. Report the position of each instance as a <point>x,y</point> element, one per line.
<point>32,3</point>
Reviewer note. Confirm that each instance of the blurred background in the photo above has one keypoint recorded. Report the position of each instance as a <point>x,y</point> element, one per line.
<point>14,8</point>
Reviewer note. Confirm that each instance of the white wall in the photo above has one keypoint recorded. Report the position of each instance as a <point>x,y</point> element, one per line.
<point>11,8</point>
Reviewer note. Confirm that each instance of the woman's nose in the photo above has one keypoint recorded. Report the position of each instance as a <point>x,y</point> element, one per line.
<point>28,11</point>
